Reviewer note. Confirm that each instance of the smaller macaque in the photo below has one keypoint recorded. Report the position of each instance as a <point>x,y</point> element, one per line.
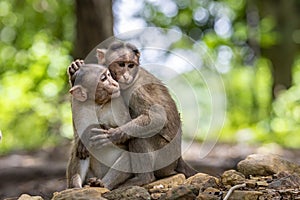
<point>96,102</point>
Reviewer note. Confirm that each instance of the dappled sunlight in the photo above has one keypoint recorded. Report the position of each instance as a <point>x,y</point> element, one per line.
<point>218,38</point>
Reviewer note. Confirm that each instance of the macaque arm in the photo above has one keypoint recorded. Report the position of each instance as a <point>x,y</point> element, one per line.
<point>142,126</point>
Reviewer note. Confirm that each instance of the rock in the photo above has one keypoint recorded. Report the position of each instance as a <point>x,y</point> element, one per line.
<point>209,194</point>
<point>262,184</point>
<point>232,177</point>
<point>128,193</point>
<point>28,197</point>
<point>182,192</point>
<point>285,180</point>
<point>270,195</point>
<point>168,182</point>
<point>204,196</point>
<point>202,181</point>
<point>244,195</point>
<point>81,193</point>
<point>155,196</point>
<point>251,183</point>
<point>264,165</point>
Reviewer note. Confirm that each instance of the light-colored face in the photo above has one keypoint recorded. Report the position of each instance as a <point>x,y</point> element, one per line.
<point>122,60</point>
<point>107,88</point>
<point>124,71</point>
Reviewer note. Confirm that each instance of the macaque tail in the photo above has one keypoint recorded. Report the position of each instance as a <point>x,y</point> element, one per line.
<point>184,168</point>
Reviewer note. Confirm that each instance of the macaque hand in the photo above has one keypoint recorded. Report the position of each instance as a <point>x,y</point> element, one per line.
<point>95,182</point>
<point>99,138</point>
<point>117,136</point>
<point>73,67</point>
<point>105,137</point>
<point>81,151</point>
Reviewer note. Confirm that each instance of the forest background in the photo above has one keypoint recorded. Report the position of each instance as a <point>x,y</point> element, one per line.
<point>253,44</point>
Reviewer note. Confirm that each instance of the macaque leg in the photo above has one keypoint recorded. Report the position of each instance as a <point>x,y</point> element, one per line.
<point>143,159</point>
<point>167,159</point>
<point>76,170</point>
<point>115,177</point>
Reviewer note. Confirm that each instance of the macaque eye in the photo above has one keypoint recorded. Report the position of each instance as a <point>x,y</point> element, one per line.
<point>108,74</point>
<point>131,65</point>
<point>103,78</point>
<point>121,64</point>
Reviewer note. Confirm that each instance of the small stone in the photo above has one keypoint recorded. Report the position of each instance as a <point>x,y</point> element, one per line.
<point>202,181</point>
<point>28,197</point>
<point>251,183</point>
<point>80,193</point>
<point>203,196</point>
<point>262,184</point>
<point>210,194</point>
<point>186,192</point>
<point>232,177</point>
<point>128,193</point>
<point>160,186</point>
<point>159,190</point>
<point>213,191</point>
<point>156,196</point>
<point>246,195</point>
<point>168,182</point>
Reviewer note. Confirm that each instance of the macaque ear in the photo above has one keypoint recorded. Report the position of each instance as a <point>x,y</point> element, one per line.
<point>79,93</point>
<point>137,52</point>
<point>101,56</point>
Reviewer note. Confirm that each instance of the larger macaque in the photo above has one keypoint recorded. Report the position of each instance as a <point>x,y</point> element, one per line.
<point>96,101</point>
<point>154,133</point>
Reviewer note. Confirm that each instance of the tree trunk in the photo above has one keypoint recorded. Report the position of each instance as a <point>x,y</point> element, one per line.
<point>94,25</point>
<point>282,54</point>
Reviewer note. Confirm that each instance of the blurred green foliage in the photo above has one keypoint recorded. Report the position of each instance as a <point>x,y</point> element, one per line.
<point>35,46</point>
<point>224,31</point>
<point>36,41</point>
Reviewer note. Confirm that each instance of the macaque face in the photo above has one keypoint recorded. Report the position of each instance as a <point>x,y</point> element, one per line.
<point>107,88</point>
<point>89,75</point>
<point>122,60</point>
<point>124,71</point>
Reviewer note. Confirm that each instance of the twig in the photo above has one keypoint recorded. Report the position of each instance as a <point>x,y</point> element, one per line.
<point>232,189</point>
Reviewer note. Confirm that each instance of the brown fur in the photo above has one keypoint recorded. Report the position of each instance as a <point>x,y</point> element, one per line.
<point>141,92</point>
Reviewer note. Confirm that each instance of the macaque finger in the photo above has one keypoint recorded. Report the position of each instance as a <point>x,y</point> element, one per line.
<point>100,144</point>
<point>71,70</point>
<point>77,64</point>
<point>95,182</point>
<point>74,66</point>
<point>99,131</point>
<point>99,137</point>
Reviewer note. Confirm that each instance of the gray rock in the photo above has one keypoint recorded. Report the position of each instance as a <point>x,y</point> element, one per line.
<point>182,192</point>
<point>91,193</point>
<point>210,194</point>
<point>244,195</point>
<point>128,193</point>
<point>28,197</point>
<point>264,165</point>
<point>202,181</point>
<point>285,180</point>
<point>168,182</point>
<point>232,177</point>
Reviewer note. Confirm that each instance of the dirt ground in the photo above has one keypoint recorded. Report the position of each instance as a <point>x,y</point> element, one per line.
<point>42,172</point>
